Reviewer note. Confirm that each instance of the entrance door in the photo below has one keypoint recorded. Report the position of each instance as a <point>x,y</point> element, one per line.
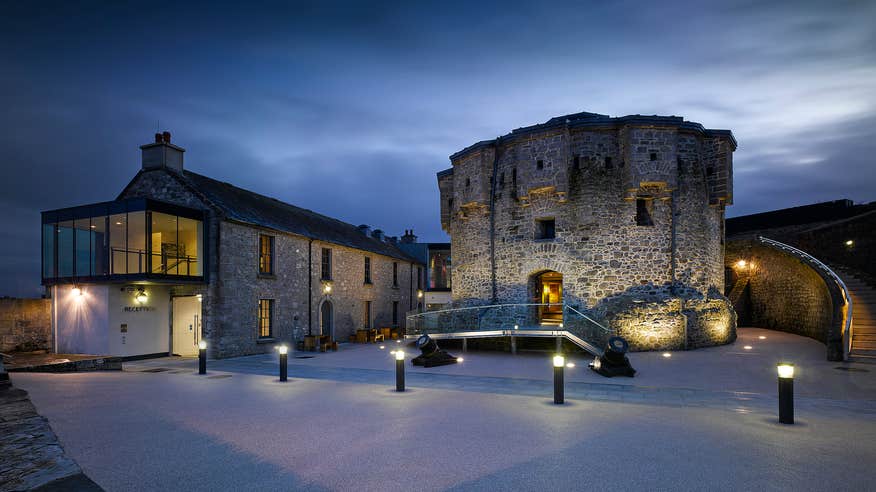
<point>326,319</point>
<point>186,325</point>
<point>550,293</point>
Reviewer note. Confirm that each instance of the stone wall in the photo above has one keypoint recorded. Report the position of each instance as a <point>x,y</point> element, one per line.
<point>230,298</point>
<point>25,324</point>
<point>784,293</point>
<point>588,181</point>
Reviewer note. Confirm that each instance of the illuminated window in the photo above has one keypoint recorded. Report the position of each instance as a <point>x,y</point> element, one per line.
<point>266,315</point>
<point>266,254</point>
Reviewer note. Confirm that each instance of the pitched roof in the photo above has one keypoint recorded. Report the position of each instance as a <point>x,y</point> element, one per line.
<point>252,208</point>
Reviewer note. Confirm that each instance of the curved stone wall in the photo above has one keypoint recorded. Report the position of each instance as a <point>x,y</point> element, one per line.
<point>781,292</point>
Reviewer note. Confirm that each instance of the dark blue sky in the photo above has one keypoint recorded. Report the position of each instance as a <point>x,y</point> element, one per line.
<point>349,109</point>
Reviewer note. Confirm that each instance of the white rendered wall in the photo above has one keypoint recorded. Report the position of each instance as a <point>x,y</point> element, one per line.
<point>82,321</point>
<point>147,323</point>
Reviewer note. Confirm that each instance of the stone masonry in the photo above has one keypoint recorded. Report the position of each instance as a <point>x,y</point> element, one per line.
<point>25,324</point>
<point>658,284</point>
<point>230,298</point>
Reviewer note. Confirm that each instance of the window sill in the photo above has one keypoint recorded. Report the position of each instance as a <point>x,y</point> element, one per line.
<point>267,275</point>
<point>544,239</point>
<point>368,284</point>
<point>266,340</point>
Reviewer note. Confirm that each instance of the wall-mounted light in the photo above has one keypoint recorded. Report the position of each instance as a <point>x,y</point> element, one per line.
<point>741,263</point>
<point>200,297</point>
<point>327,289</point>
<point>419,293</point>
<point>850,243</point>
<point>141,296</point>
<point>76,291</point>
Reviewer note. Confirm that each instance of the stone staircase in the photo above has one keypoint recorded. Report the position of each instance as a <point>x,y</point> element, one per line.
<point>863,319</point>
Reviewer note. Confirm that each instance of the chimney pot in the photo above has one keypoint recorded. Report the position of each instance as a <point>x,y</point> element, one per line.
<point>157,138</point>
<point>166,137</point>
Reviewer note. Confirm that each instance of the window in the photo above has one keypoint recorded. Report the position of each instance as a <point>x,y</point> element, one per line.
<point>439,269</point>
<point>130,237</point>
<point>680,165</point>
<point>514,178</point>
<point>608,164</point>
<point>545,229</point>
<point>326,264</point>
<point>395,313</point>
<point>266,318</point>
<point>368,315</point>
<point>266,254</point>
<point>653,156</point>
<point>395,274</point>
<point>539,164</point>
<point>419,278</point>
<point>367,270</point>
<point>576,161</point>
<point>467,182</point>
<point>643,212</point>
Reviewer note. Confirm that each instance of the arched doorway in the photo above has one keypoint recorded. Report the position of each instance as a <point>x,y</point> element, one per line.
<point>549,292</point>
<point>326,323</point>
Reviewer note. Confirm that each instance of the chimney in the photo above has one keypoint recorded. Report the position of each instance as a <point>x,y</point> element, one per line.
<point>365,229</point>
<point>409,237</point>
<point>162,154</point>
<point>377,234</point>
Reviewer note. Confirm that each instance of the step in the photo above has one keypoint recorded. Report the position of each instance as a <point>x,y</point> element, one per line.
<point>869,347</point>
<point>863,353</point>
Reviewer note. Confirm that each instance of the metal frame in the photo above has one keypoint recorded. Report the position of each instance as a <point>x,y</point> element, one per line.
<point>106,209</point>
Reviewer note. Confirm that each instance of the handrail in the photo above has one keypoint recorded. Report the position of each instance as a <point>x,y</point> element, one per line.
<point>588,318</point>
<point>485,306</point>
<point>847,297</point>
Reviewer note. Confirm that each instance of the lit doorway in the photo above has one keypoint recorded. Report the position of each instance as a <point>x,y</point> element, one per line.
<point>549,292</point>
<point>186,329</point>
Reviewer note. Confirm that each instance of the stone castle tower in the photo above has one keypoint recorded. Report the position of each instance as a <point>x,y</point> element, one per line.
<point>622,217</point>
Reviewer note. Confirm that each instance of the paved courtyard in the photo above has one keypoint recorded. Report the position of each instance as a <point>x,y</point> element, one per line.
<point>699,420</point>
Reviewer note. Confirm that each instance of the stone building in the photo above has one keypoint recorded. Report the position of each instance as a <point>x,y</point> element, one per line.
<point>621,218</point>
<point>180,257</point>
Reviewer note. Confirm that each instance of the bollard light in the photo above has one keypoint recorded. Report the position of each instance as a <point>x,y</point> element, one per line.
<point>399,370</point>
<point>284,362</point>
<point>202,357</point>
<point>559,364</point>
<point>786,392</point>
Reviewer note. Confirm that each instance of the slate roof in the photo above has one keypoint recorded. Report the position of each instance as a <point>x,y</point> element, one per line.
<point>252,208</point>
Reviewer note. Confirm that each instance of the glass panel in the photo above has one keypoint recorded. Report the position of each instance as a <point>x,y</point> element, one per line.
<point>136,242</point>
<point>99,246</point>
<point>118,243</point>
<point>65,249</point>
<point>191,247</point>
<point>83,247</point>
<point>164,249</point>
<point>49,250</point>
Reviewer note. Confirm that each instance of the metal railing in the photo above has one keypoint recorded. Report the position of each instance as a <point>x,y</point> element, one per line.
<point>523,319</point>
<point>847,298</point>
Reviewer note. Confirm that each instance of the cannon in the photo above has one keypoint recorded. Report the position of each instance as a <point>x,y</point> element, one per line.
<point>432,355</point>
<point>614,362</point>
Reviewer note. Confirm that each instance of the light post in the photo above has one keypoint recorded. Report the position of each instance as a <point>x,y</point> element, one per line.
<point>559,363</point>
<point>786,392</point>
<point>284,351</point>
<point>399,370</point>
<point>202,357</point>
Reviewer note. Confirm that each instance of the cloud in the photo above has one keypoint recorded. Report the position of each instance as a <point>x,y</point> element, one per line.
<point>350,109</point>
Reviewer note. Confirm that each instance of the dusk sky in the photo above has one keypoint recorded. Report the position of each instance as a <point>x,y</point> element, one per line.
<point>351,109</point>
